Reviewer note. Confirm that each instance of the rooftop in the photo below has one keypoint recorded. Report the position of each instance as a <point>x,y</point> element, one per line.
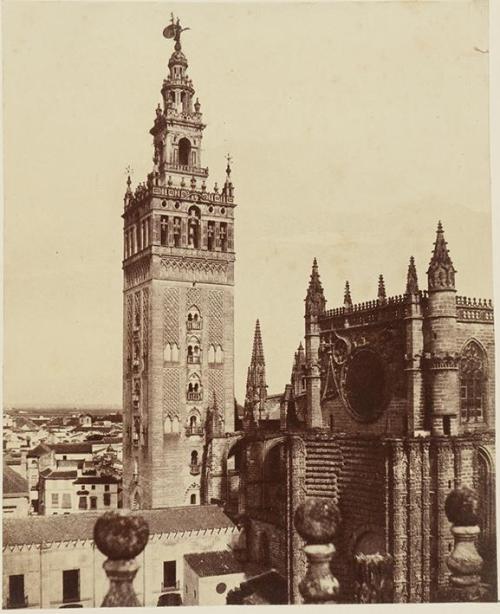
<point>72,448</point>
<point>216,563</point>
<point>13,483</point>
<point>38,529</point>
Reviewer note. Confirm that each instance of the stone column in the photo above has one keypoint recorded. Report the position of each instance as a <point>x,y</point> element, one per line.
<point>399,520</point>
<point>121,538</point>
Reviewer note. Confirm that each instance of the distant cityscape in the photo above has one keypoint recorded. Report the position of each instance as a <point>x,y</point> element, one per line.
<point>61,460</point>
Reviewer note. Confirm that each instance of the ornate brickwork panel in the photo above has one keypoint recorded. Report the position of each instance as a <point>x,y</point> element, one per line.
<point>171,393</point>
<point>216,311</point>
<point>216,384</point>
<point>145,323</point>
<point>414,522</point>
<point>137,310</point>
<point>136,273</point>
<point>130,311</point>
<point>194,296</point>
<point>399,465</point>
<point>171,316</point>
<point>197,270</point>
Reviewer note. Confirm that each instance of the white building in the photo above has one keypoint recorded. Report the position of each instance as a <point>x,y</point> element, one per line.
<point>52,561</point>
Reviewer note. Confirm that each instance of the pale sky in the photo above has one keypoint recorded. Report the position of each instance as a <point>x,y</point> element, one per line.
<point>353,127</point>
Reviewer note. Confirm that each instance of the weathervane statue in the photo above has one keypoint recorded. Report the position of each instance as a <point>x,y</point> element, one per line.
<point>174,30</point>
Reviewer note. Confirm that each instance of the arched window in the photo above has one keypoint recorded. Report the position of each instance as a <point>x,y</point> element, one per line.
<point>194,390</point>
<point>194,216</point>
<point>184,151</point>
<point>193,499</point>
<point>192,422</point>
<point>175,425</point>
<point>194,457</point>
<point>472,383</point>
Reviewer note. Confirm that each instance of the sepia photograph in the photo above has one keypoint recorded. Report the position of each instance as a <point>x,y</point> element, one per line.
<point>249,344</point>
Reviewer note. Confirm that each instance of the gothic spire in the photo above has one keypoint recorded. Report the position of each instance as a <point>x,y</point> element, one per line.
<point>315,298</point>
<point>441,273</point>
<point>381,295</point>
<point>347,296</point>
<point>411,279</point>
<point>258,349</point>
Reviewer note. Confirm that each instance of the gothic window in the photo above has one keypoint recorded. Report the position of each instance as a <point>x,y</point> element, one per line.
<point>194,389</point>
<point>194,457</point>
<point>366,386</point>
<point>184,151</point>
<point>472,383</point>
<point>164,230</point>
<point>192,422</point>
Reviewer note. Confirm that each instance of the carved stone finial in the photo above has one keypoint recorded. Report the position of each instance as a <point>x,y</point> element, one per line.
<point>347,296</point>
<point>411,279</point>
<point>441,272</point>
<point>465,563</point>
<point>381,294</point>
<point>121,538</point>
<point>315,298</point>
<point>316,521</point>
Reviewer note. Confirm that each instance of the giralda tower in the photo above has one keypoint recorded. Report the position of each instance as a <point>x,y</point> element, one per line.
<point>178,307</point>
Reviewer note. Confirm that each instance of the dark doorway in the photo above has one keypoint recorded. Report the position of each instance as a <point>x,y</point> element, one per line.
<point>71,585</point>
<point>16,591</point>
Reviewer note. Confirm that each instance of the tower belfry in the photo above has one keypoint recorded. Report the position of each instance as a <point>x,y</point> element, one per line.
<point>178,303</point>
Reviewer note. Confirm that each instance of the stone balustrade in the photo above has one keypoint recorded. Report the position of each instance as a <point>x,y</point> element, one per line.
<point>316,521</point>
<point>121,537</point>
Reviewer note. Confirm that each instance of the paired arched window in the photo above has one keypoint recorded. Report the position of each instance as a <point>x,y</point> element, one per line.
<point>215,354</point>
<point>171,352</point>
<point>194,388</point>
<point>171,425</point>
<point>472,383</point>
<point>194,318</point>
<point>193,351</point>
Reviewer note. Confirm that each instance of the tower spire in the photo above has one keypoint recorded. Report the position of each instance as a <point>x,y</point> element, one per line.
<point>411,278</point>
<point>256,393</point>
<point>381,294</point>
<point>315,298</point>
<point>347,296</point>
<point>441,272</point>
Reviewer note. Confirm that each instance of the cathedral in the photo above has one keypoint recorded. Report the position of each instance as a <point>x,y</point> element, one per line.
<point>390,404</point>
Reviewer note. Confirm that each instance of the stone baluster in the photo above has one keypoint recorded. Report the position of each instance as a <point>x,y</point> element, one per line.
<point>464,563</point>
<point>121,537</point>
<point>316,521</point>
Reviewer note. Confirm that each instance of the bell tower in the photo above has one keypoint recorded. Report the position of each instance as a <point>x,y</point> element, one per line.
<point>178,357</point>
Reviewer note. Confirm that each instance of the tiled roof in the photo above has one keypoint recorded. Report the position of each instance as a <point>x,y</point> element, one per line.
<point>96,480</point>
<point>35,529</point>
<point>61,475</point>
<point>13,483</point>
<point>39,450</point>
<point>215,563</point>
<point>72,448</point>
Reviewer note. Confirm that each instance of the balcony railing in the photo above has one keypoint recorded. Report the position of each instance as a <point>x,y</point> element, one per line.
<point>195,468</point>
<point>194,396</point>
<point>13,603</point>
<point>194,360</point>
<point>193,324</point>
<point>167,588</point>
<point>194,430</point>
<point>190,170</point>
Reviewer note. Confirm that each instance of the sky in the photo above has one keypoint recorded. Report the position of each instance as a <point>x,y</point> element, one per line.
<point>353,127</point>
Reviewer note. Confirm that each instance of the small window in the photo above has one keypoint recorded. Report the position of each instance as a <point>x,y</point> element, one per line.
<point>82,503</point>
<point>71,585</point>
<point>54,499</point>
<point>107,499</point>
<point>446,425</point>
<point>66,500</point>
<point>221,588</point>
<point>106,487</point>
<point>93,503</point>
<point>193,499</point>
<point>93,487</point>
<point>169,574</point>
